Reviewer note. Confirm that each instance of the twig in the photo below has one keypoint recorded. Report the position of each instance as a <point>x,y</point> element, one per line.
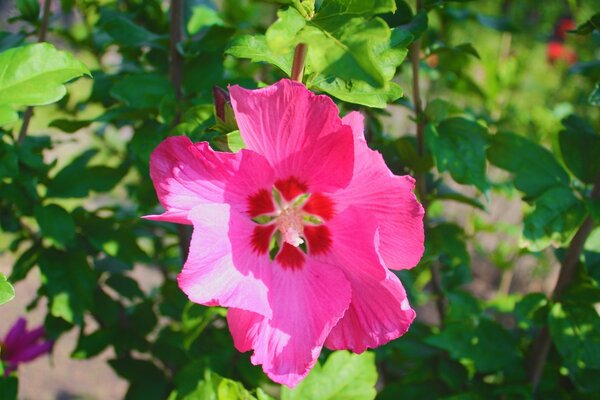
<point>176,77</point>
<point>541,347</point>
<point>415,59</point>
<point>41,38</point>
<point>298,63</point>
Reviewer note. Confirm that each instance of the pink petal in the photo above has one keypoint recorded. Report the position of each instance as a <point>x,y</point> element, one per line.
<point>298,132</point>
<point>187,174</point>
<point>307,302</point>
<point>215,274</point>
<point>379,312</point>
<point>389,198</point>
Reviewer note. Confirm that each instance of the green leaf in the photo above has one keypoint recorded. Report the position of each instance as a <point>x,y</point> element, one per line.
<point>536,169</point>
<point>580,147</point>
<point>68,282</point>
<point>143,90</point>
<point>77,179</point>
<point>7,115</point>
<point>7,292</point>
<point>93,344</point>
<point>281,36</point>
<point>344,376</point>
<point>458,146</point>
<point>202,17</point>
<point>575,330</point>
<point>532,310</point>
<point>212,387</point>
<point>124,31</point>
<point>355,8</point>
<point>29,9</point>
<point>486,344</point>
<point>35,74</point>
<point>589,26</point>
<point>146,380</point>
<point>256,49</point>
<point>55,223</point>
<point>231,142</point>
<point>594,98</point>
<point>555,219</point>
<point>9,387</point>
<point>358,92</point>
<point>70,125</point>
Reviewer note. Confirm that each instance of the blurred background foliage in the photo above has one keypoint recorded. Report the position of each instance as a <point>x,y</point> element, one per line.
<point>501,132</point>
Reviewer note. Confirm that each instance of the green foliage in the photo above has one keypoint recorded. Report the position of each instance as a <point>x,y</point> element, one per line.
<point>343,376</point>
<point>74,185</point>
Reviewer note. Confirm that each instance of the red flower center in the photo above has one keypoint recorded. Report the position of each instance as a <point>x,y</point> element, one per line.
<point>290,222</point>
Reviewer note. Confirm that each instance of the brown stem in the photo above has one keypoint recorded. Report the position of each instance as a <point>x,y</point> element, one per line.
<point>541,347</point>
<point>176,78</point>
<point>298,63</point>
<point>415,59</point>
<point>41,38</point>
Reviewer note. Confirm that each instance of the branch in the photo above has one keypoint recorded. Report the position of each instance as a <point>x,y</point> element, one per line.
<point>298,63</point>
<point>436,280</point>
<point>176,78</point>
<point>41,38</point>
<point>568,268</point>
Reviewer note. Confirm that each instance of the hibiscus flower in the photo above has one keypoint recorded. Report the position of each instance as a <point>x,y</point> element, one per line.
<point>20,346</point>
<point>296,233</point>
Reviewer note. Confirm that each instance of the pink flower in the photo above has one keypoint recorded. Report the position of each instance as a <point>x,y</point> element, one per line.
<point>21,346</point>
<point>295,233</point>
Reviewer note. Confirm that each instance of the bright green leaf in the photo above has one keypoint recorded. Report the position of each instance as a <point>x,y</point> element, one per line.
<point>344,376</point>
<point>202,17</point>
<point>7,115</point>
<point>355,8</point>
<point>35,74</point>
<point>7,292</point>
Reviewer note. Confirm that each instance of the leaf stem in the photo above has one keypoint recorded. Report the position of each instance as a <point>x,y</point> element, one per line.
<point>541,347</point>
<point>415,59</point>
<point>41,38</point>
<point>298,63</point>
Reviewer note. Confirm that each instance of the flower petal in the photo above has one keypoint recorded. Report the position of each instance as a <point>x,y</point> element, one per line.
<point>379,312</point>
<point>187,174</point>
<point>389,197</point>
<point>16,332</point>
<point>212,274</point>
<point>307,303</point>
<point>298,132</point>
<point>31,352</point>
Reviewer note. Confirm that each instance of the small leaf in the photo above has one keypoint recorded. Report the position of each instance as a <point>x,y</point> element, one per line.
<point>589,26</point>
<point>35,74</point>
<point>580,147</point>
<point>343,376</point>
<point>55,223</point>
<point>29,9</point>
<point>458,146</point>
<point>142,90</point>
<point>594,98</point>
<point>536,169</point>
<point>124,31</point>
<point>256,49</point>
<point>202,17</point>
<point>7,292</point>
<point>68,282</point>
